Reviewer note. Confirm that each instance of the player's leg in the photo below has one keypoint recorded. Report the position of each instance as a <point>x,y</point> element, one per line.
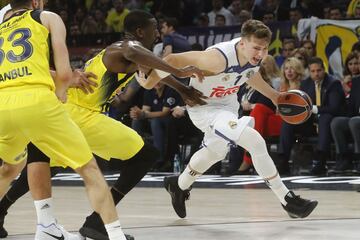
<point>112,139</point>
<point>19,188</point>
<point>65,143</point>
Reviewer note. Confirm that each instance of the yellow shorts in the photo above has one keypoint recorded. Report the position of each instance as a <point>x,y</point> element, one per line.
<point>106,137</point>
<point>36,115</point>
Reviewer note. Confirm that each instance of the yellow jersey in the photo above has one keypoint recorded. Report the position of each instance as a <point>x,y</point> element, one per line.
<point>24,51</point>
<point>109,84</point>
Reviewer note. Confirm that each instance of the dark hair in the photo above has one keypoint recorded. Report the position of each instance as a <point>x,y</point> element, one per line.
<point>255,28</point>
<point>171,22</point>
<point>356,47</point>
<point>351,56</point>
<point>316,60</point>
<point>19,3</point>
<point>136,19</point>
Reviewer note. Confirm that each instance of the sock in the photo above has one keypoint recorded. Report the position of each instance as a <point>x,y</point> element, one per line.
<point>252,141</point>
<point>114,231</point>
<point>201,161</point>
<point>44,211</point>
<point>5,204</point>
<point>133,171</point>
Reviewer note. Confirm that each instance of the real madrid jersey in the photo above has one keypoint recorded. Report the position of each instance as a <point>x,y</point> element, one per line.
<point>109,84</point>
<point>221,89</point>
<point>24,51</point>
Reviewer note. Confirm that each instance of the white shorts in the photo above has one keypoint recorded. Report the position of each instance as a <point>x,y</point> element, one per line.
<point>221,127</point>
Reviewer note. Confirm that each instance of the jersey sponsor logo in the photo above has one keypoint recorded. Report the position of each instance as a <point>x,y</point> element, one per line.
<point>221,91</point>
<point>15,73</point>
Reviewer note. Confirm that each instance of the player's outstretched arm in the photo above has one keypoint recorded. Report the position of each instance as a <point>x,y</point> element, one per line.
<point>259,84</point>
<point>210,62</point>
<point>57,31</point>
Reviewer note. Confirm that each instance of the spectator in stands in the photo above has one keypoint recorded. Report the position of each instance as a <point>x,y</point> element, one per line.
<point>218,8</point>
<point>301,54</point>
<point>292,73</point>
<point>203,20</point>
<point>235,9</point>
<point>326,12</point>
<point>351,69</point>
<point>335,13</point>
<point>343,127</point>
<point>220,20</point>
<point>102,5</point>
<point>295,14</point>
<point>288,45</point>
<point>268,18</point>
<point>328,98</point>
<point>101,25</point>
<point>173,42</point>
<point>80,15</point>
<point>115,17</point>
<point>89,25</point>
<point>265,6</point>
<point>157,106</point>
<point>309,47</point>
<point>271,72</point>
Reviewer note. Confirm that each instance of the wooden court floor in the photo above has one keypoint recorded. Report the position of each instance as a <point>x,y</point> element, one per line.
<point>213,214</point>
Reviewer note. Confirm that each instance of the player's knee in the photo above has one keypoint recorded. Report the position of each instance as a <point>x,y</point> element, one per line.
<point>10,171</point>
<point>252,141</point>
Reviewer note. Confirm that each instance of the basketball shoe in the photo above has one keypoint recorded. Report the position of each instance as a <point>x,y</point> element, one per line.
<point>298,207</point>
<point>3,232</point>
<point>178,196</point>
<point>54,231</point>
<point>94,228</point>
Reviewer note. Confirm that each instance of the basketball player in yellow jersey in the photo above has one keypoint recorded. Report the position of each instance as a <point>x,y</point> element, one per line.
<point>31,112</point>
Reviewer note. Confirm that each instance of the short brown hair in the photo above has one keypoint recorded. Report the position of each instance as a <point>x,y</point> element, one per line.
<point>257,29</point>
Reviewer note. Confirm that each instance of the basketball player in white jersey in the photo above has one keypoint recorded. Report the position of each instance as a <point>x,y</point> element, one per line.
<point>227,66</point>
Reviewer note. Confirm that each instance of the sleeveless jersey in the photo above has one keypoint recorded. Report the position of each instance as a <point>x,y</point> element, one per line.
<point>221,89</point>
<point>109,84</point>
<point>24,51</point>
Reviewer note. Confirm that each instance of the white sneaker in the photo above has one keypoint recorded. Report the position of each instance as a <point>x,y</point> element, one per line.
<point>54,232</point>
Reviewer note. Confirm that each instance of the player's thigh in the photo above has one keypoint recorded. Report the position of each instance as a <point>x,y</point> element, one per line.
<point>109,138</point>
<point>12,141</point>
<point>57,136</point>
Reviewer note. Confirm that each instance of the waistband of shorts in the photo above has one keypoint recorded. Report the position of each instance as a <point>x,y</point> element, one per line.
<point>25,88</point>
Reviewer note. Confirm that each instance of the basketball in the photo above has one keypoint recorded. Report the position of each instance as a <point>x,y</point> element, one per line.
<point>294,106</point>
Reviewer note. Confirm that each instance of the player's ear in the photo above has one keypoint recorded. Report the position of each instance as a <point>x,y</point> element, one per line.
<point>140,33</point>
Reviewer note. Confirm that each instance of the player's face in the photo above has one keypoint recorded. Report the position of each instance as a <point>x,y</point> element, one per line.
<point>39,4</point>
<point>254,49</point>
<point>151,33</point>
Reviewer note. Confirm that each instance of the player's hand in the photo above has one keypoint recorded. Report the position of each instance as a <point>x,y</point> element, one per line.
<point>192,96</point>
<point>61,94</point>
<point>82,80</point>
<point>140,78</point>
<point>191,71</point>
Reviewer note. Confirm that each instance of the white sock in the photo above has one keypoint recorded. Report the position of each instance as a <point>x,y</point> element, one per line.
<point>114,231</point>
<point>201,161</point>
<point>44,211</point>
<point>254,143</point>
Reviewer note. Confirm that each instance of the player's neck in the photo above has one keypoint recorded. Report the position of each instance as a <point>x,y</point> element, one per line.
<point>241,57</point>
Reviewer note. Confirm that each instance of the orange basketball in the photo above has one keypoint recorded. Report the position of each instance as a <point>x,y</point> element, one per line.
<point>294,106</point>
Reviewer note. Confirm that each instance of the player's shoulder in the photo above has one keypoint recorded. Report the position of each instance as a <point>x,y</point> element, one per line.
<point>226,44</point>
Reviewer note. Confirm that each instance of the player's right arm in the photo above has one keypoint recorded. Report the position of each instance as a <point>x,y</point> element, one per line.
<point>209,61</point>
<point>57,30</point>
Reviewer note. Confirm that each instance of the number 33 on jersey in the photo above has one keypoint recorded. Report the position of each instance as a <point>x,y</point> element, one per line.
<point>24,51</point>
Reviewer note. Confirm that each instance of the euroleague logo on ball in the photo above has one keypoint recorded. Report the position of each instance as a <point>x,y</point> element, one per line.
<point>294,106</point>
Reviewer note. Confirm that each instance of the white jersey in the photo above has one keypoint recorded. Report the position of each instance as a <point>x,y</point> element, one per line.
<point>221,89</point>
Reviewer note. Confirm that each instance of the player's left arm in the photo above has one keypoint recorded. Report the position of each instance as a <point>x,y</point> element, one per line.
<point>259,84</point>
